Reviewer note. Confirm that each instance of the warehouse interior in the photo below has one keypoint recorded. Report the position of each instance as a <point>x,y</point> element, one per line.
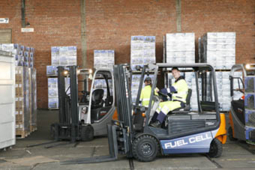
<point>36,37</point>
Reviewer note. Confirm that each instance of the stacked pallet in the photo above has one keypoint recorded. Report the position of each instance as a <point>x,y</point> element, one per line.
<point>60,56</point>
<point>33,100</point>
<point>24,56</point>
<point>218,49</point>
<point>22,102</point>
<point>180,48</point>
<point>25,88</point>
<point>143,51</point>
<point>103,59</point>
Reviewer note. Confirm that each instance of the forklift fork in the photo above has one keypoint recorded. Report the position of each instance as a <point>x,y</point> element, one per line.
<point>113,150</point>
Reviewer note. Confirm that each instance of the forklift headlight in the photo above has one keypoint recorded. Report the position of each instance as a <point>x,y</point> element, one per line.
<point>65,72</point>
<point>90,71</point>
<point>248,66</point>
<point>78,72</point>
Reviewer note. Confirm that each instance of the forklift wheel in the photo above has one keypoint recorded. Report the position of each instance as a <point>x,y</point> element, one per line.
<point>87,133</point>
<point>230,134</point>
<point>145,148</point>
<point>215,148</point>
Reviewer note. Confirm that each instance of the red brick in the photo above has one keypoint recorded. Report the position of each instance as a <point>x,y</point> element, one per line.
<point>111,23</point>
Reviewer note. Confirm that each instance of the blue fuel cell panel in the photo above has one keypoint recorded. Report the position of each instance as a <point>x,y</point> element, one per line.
<point>198,143</point>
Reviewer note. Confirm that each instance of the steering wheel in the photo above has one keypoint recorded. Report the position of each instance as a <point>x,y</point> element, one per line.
<point>162,94</point>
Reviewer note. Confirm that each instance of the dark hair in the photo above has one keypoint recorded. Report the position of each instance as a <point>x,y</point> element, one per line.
<point>175,68</point>
<point>147,79</point>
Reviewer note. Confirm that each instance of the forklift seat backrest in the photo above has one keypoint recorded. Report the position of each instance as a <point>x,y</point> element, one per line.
<point>97,98</point>
<point>188,96</point>
<point>187,105</point>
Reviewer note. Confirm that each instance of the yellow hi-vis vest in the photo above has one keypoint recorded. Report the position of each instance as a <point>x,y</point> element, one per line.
<point>182,90</point>
<point>145,95</point>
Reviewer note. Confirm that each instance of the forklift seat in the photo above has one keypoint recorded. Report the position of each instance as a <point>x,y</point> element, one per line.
<point>97,98</point>
<point>187,105</point>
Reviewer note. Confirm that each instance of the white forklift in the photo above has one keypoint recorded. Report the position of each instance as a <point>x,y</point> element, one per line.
<point>85,118</point>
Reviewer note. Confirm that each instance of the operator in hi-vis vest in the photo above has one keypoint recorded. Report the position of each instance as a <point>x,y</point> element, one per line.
<point>146,92</point>
<point>177,94</point>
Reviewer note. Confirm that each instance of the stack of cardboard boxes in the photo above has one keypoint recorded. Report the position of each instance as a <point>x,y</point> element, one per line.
<point>22,102</point>
<point>180,48</point>
<point>24,56</point>
<point>26,104</point>
<point>103,59</point>
<point>60,56</point>
<point>143,51</point>
<point>218,49</point>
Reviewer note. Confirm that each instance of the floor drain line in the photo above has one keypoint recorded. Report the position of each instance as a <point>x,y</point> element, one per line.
<point>93,151</point>
<point>214,162</point>
<point>131,164</point>
<point>76,143</point>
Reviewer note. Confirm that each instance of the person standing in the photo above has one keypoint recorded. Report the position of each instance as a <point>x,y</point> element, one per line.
<point>146,92</point>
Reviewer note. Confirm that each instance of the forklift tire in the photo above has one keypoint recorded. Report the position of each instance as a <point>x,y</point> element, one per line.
<point>87,133</point>
<point>145,148</point>
<point>230,134</point>
<point>215,148</point>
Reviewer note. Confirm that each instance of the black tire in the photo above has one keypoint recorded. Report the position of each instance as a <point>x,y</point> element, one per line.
<point>145,148</point>
<point>215,149</point>
<point>230,134</point>
<point>87,133</point>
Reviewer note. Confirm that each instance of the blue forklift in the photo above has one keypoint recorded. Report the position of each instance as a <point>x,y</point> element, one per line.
<point>242,112</point>
<point>184,131</point>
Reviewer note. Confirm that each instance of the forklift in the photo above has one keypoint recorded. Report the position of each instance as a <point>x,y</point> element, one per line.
<point>185,130</point>
<point>81,120</point>
<point>242,113</point>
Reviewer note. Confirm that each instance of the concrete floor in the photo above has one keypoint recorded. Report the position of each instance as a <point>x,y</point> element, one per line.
<point>235,154</point>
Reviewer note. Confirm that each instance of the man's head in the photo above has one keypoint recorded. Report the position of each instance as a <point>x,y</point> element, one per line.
<point>147,81</point>
<point>176,73</point>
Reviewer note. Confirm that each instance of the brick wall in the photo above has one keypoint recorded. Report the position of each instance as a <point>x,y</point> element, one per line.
<point>110,23</point>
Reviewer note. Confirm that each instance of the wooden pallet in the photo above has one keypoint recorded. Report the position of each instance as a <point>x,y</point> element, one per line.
<point>33,128</point>
<point>21,134</point>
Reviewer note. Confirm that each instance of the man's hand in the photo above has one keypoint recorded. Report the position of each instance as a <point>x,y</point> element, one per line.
<point>156,90</point>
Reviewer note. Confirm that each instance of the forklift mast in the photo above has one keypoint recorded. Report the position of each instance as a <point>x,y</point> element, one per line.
<point>120,132</point>
<point>124,104</point>
<point>68,126</point>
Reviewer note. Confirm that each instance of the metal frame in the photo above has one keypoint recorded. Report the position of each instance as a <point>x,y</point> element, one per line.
<point>239,127</point>
<point>123,130</point>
